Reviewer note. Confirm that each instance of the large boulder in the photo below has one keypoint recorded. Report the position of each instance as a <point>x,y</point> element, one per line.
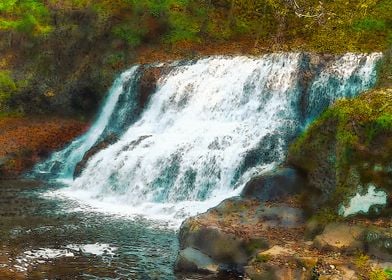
<point>229,235</point>
<point>275,185</point>
<point>347,157</point>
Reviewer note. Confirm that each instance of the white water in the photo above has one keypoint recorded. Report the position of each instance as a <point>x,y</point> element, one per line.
<point>210,126</point>
<point>344,78</point>
<point>63,162</point>
<point>46,255</point>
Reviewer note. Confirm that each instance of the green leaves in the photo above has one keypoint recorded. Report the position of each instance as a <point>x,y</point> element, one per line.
<point>25,16</point>
<point>130,33</point>
<point>7,86</point>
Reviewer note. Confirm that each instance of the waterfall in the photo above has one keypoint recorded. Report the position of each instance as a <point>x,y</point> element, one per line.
<point>209,126</point>
<point>62,164</point>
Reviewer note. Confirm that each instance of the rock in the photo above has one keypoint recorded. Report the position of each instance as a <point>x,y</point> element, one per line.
<point>103,144</point>
<point>148,81</point>
<point>345,152</point>
<point>274,272</point>
<point>285,273</point>
<point>193,260</point>
<point>26,141</point>
<point>278,251</point>
<point>263,273</point>
<point>341,237</point>
<point>379,243</point>
<point>224,248</point>
<point>281,216</point>
<point>348,273</point>
<point>234,231</point>
<point>275,185</point>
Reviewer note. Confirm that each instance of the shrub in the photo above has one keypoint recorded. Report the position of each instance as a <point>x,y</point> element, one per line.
<point>7,87</point>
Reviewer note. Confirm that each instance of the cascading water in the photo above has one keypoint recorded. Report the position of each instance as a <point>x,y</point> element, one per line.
<point>209,127</point>
<point>62,164</point>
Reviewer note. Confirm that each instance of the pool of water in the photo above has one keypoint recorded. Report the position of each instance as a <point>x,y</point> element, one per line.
<point>48,238</point>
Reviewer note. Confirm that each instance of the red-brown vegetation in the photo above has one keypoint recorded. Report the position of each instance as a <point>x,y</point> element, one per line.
<point>25,141</point>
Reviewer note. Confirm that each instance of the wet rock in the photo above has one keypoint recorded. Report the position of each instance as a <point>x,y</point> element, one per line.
<point>148,82</point>
<point>341,237</point>
<point>103,144</point>
<point>275,185</point>
<point>193,260</point>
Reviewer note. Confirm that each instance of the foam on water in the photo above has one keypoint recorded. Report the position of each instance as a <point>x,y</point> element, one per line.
<point>43,255</point>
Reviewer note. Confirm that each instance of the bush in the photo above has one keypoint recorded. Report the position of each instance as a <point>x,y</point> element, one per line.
<point>7,87</point>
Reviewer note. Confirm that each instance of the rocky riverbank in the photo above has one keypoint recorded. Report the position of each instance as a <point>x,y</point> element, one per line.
<point>26,141</point>
<point>326,216</point>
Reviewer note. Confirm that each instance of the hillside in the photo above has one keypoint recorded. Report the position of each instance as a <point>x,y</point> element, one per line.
<point>60,56</point>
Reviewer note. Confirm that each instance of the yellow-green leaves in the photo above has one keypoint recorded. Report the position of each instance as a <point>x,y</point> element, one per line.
<point>26,16</point>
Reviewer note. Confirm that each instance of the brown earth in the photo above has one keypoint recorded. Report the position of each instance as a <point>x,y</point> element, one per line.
<point>25,141</point>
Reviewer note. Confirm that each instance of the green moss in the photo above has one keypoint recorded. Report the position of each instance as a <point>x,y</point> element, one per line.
<point>344,145</point>
<point>389,273</point>
<point>7,86</point>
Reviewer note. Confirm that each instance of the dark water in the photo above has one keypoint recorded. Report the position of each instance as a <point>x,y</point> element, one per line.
<point>41,239</point>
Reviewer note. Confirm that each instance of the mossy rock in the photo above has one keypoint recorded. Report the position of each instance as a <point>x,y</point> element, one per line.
<point>347,150</point>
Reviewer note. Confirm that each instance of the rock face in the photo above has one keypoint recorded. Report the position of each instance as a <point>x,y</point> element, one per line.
<point>275,185</point>
<point>348,151</point>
